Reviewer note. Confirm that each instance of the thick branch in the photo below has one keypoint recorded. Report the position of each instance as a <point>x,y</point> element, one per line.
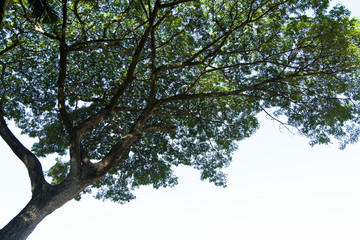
<point>75,147</point>
<point>75,154</point>
<point>136,57</point>
<point>60,89</point>
<point>62,73</point>
<point>115,155</point>
<point>31,162</point>
<point>160,129</point>
<point>82,24</point>
<point>172,4</point>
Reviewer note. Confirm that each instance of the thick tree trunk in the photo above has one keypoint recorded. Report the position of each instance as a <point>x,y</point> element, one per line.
<point>20,227</point>
<point>40,206</point>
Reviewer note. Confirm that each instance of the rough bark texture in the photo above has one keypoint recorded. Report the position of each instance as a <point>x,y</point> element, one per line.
<point>47,198</point>
<point>40,206</point>
<point>20,227</point>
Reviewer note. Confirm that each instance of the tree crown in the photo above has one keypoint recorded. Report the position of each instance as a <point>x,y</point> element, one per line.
<point>183,80</point>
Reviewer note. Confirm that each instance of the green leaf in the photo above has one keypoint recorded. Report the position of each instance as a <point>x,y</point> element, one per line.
<point>42,10</point>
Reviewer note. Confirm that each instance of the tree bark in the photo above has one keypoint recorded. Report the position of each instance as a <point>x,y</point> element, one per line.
<point>40,206</point>
<point>47,198</point>
<point>22,225</point>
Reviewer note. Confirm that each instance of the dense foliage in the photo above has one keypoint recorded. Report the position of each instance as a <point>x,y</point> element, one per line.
<point>187,77</point>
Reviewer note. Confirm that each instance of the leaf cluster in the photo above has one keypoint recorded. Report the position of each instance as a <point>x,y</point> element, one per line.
<point>187,77</point>
<point>43,10</point>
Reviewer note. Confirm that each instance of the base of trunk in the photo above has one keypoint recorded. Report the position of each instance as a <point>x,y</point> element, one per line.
<point>40,206</point>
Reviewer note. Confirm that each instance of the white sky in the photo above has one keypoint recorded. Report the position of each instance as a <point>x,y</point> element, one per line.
<point>279,188</point>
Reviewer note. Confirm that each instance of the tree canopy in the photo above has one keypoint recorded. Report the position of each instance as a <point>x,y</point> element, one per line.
<point>122,91</point>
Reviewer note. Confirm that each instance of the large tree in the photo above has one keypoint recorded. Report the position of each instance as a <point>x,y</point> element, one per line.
<point>122,91</point>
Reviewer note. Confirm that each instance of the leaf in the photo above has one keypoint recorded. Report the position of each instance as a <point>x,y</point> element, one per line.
<point>42,10</point>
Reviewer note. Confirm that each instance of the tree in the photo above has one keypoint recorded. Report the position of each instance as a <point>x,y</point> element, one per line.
<point>123,91</point>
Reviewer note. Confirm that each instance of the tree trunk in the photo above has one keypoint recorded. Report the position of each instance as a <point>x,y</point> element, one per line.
<point>40,206</point>
<point>20,227</point>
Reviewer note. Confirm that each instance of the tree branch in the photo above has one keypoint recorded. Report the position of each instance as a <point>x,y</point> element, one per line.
<point>105,112</point>
<point>172,4</point>
<point>154,75</point>
<point>30,161</point>
<point>184,97</point>
<point>239,92</point>
<point>8,48</point>
<point>190,61</point>
<point>62,73</point>
<point>160,129</point>
<point>75,145</point>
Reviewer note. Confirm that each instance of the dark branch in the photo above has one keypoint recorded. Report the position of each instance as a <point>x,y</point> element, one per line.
<point>8,48</point>
<point>104,113</point>
<point>160,129</point>
<point>172,4</point>
<point>154,76</point>
<point>75,145</point>
<point>30,161</point>
<point>62,73</point>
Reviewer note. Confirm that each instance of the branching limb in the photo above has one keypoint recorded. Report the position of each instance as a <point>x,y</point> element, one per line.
<point>120,130</point>
<point>75,145</point>
<point>238,92</point>
<point>217,43</point>
<point>285,125</point>
<point>115,155</point>
<point>30,161</point>
<point>82,24</point>
<point>118,19</point>
<point>198,77</point>
<point>105,112</point>
<point>144,9</point>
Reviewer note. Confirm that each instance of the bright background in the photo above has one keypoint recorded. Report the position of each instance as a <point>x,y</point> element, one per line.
<point>279,188</point>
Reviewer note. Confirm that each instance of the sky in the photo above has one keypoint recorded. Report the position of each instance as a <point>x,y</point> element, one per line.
<point>278,188</point>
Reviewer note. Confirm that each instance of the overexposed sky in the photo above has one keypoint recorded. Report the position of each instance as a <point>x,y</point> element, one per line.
<point>279,188</point>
